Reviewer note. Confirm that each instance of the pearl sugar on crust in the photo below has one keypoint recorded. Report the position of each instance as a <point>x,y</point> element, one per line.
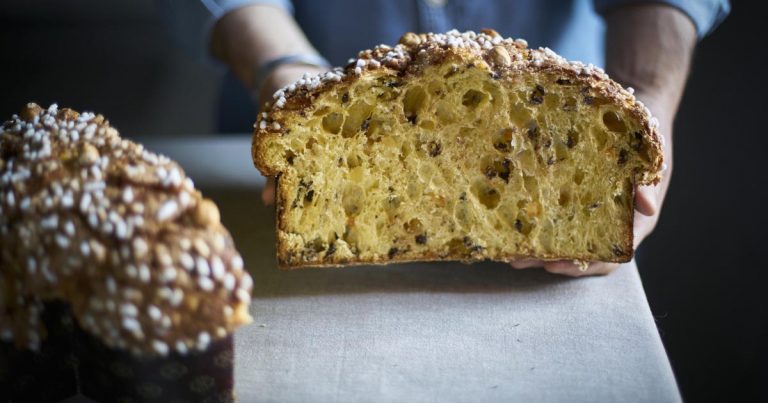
<point>111,228</point>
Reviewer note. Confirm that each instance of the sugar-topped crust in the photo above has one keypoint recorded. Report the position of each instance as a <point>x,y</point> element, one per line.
<point>116,231</point>
<point>503,57</point>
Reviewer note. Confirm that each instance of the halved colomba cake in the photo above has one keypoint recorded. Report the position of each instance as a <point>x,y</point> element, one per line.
<point>456,146</point>
<point>112,258</point>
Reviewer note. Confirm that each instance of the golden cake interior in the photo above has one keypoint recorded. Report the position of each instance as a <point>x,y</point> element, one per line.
<point>457,164</point>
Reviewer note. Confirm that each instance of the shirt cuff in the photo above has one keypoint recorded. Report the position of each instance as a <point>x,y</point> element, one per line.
<point>190,22</point>
<point>706,15</point>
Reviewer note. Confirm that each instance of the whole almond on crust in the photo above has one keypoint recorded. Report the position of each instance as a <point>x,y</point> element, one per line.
<point>490,32</point>
<point>30,110</point>
<point>501,56</point>
<point>410,39</point>
<point>207,213</point>
<point>88,154</point>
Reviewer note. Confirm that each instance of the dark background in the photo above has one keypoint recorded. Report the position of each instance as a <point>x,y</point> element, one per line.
<point>705,268</point>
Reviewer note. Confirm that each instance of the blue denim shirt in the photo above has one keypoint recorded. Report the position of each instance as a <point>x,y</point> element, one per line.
<point>340,28</point>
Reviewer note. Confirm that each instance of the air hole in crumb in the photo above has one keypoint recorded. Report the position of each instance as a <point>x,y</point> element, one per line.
<point>497,167</point>
<point>523,224</point>
<point>413,103</point>
<point>353,161</point>
<point>578,177</point>
<point>331,249</point>
<point>613,122</point>
<point>623,156</point>
<point>527,160</point>
<point>427,124</point>
<point>472,98</point>
<point>394,201</point>
<point>414,190</point>
<point>321,111</point>
<point>570,104</point>
<point>572,138</point>
<point>352,199</point>
<point>493,92</point>
<point>451,71</point>
<point>636,141</point>
<point>531,184</point>
<point>413,226</point>
<point>533,130</point>
<point>317,245</point>
<point>487,196</point>
<point>356,115</point>
<point>460,246</point>
<point>436,88</point>
<point>502,140</point>
<point>444,112</point>
<point>537,95</point>
<point>565,197</point>
<point>405,151</point>
<point>594,206</point>
<point>310,143</point>
<point>434,148</point>
<point>332,122</point>
<point>519,114</point>
<point>601,138</point>
<point>561,153</point>
<point>290,156</point>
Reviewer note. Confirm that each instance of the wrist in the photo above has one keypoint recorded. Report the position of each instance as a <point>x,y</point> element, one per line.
<point>281,76</point>
<point>662,107</point>
<point>268,67</point>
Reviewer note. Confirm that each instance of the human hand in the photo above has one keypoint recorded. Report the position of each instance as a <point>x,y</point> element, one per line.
<point>648,202</point>
<point>280,77</point>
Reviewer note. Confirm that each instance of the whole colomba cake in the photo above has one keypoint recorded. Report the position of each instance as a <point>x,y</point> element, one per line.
<point>115,233</point>
<point>456,146</point>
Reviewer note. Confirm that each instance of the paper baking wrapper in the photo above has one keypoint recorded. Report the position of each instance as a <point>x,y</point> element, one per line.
<point>71,360</point>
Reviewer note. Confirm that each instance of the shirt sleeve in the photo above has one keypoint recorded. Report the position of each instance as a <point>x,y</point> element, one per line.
<point>190,21</point>
<point>705,14</point>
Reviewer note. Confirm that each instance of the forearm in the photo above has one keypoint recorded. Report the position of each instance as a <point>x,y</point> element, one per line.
<point>250,36</point>
<point>649,48</point>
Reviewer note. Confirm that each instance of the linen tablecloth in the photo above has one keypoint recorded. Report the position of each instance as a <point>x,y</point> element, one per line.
<point>436,332</point>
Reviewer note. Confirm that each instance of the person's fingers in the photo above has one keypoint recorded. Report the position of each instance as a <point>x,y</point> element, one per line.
<point>526,263</point>
<point>646,200</point>
<point>561,266</point>
<point>568,268</point>
<point>268,193</point>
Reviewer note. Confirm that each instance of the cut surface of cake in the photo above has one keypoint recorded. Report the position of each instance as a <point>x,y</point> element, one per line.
<point>456,146</point>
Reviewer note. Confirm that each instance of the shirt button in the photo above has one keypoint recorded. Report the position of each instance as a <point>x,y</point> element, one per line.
<point>436,3</point>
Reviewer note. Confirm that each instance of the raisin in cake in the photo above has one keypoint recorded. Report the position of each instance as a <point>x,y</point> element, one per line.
<point>456,146</point>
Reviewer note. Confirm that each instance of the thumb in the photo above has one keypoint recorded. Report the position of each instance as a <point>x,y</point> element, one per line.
<point>268,193</point>
<point>646,201</point>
